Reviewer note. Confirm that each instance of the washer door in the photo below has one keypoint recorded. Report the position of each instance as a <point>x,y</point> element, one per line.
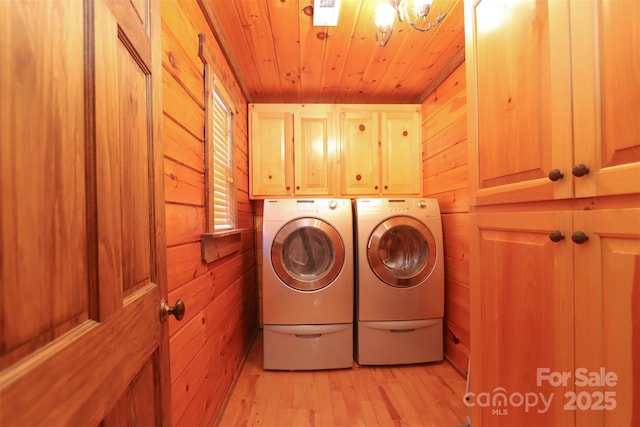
<point>307,254</point>
<point>402,251</point>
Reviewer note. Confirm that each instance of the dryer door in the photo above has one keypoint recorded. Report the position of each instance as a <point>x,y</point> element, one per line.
<point>402,251</point>
<point>307,254</point>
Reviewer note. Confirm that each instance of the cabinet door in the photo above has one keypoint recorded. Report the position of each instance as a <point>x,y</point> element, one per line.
<point>314,150</point>
<point>360,171</point>
<point>401,153</point>
<point>606,63</point>
<point>522,317</point>
<point>271,171</point>
<point>519,99</point>
<point>607,304</point>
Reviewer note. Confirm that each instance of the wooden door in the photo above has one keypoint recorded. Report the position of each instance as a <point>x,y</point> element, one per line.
<point>519,100</point>
<point>401,152</point>
<point>83,242</point>
<point>607,304</point>
<point>271,151</point>
<point>360,139</point>
<point>314,150</point>
<point>521,317</point>
<point>606,96</point>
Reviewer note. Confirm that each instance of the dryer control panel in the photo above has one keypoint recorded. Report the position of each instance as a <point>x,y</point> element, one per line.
<point>414,206</point>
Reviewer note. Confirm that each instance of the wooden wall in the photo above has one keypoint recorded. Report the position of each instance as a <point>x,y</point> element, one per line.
<point>444,133</point>
<point>208,346</point>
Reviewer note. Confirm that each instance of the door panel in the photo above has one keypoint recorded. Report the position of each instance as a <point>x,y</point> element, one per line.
<point>43,213</point>
<point>522,311</point>
<point>83,264</point>
<point>360,166</point>
<point>271,162</point>
<point>401,145</point>
<point>314,150</point>
<point>606,96</point>
<point>519,99</point>
<point>607,304</point>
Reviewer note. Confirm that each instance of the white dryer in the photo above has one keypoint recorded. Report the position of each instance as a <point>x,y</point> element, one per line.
<point>399,281</point>
<point>307,284</point>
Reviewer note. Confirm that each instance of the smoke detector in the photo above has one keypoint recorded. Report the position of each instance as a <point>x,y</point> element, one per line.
<point>325,12</point>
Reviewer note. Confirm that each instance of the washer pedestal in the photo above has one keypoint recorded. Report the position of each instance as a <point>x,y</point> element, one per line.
<point>399,342</point>
<point>308,347</point>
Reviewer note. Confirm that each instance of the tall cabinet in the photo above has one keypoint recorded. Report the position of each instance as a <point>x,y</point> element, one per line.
<point>553,107</point>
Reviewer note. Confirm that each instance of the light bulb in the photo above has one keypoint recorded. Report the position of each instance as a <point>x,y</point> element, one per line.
<point>385,15</point>
<point>422,7</point>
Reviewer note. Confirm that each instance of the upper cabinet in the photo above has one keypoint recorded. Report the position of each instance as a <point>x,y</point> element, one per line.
<point>544,81</point>
<point>380,149</point>
<point>334,150</point>
<point>292,150</point>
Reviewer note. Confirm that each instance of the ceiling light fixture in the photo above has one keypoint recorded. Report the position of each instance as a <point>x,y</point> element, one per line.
<point>416,16</point>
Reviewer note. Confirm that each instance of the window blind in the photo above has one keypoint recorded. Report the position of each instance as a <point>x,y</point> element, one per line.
<point>223,185</point>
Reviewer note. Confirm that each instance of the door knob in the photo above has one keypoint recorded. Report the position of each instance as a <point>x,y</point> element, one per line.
<point>177,310</point>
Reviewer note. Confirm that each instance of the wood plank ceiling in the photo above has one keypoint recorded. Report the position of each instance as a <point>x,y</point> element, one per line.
<point>279,56</point>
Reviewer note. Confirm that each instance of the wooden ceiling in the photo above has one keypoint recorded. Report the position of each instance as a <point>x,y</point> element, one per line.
<point>279,56</point>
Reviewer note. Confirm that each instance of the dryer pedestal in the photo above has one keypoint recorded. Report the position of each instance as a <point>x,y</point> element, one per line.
<point>399,342</point>
<point>308,347</point>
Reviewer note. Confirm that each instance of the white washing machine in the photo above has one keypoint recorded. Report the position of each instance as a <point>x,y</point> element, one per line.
<point>399,281</point>
<point>308,284</point>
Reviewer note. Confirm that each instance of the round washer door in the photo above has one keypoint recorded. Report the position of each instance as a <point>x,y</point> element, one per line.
<point>307,254</point>
<point>401,251</point>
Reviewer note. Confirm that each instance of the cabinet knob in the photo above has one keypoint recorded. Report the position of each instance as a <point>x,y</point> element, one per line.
<point>297,187</point>
<point>270,177</point>
<point>556,236</point>
<point>386,187</point>
<point>555,174</point>
<point>358,177</point>
<point>375,188</point>
<point>405,133</point>
<point>579,237</point>
<point>361,127</point>
<point>580,170</point>
<point>288,187</point>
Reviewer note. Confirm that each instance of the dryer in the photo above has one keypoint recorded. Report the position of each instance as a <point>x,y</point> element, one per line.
<point>399,281</point>
<point>307,284</point>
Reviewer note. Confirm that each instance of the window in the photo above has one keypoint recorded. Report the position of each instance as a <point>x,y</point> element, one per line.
<point>218,150</point>
<point>219,154</point>
<point>222,237</point>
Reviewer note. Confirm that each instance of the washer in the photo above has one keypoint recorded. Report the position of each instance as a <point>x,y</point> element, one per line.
<point>399,281</point>
<point>308,284</point>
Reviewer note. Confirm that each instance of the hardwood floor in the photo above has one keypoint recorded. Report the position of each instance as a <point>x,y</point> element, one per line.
<point>410,395</point>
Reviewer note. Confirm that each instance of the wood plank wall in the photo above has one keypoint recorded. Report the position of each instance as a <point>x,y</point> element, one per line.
<point>208,346</point>
<point>444,151</point>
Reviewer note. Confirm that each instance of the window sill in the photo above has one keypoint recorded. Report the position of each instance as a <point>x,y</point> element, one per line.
<point>217,245</point>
